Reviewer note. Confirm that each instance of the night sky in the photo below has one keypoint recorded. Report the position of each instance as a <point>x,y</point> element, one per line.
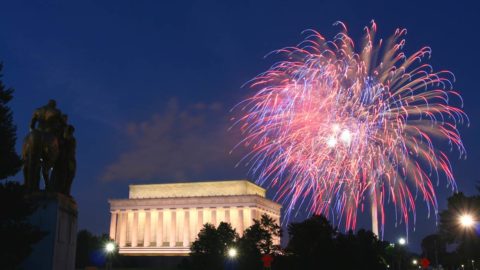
<point>149,85</point>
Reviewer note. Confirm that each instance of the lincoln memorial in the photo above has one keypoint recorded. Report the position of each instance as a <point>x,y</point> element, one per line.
<point>164,219</point>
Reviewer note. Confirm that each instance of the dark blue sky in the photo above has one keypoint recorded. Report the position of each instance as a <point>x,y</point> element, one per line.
<point>148,84</point>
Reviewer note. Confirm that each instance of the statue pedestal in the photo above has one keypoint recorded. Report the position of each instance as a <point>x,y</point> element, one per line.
<point>56,214</point>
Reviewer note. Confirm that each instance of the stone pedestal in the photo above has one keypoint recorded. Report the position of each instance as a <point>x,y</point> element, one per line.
<point>56,214</point>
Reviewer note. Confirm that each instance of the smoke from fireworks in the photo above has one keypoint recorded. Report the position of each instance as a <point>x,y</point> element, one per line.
<point>337,127</point>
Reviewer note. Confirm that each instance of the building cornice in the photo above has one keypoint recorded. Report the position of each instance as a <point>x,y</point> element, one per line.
<point>196,202</point>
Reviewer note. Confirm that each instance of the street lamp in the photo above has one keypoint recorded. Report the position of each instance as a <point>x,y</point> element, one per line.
<point>109,249</point>
<point>232,253</point>
<point>414,262</point>
<point>401,242</point>
<point>466,220</point>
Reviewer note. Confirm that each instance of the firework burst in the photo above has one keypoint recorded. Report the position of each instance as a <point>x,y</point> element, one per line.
<point>336,127</point>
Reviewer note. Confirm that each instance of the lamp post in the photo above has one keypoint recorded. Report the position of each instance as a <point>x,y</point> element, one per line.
<point>232,253</point>
<point>109,249</point>
<point>401,242</point>
<point>466,220</point>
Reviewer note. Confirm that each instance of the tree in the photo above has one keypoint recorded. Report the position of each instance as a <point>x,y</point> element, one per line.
<point>257,240</point>
<point>467,239</point>
<point>210,248</point>
<point>364,248</point>
<point>315,243</point>
<point>434,248</point>
<point>10,162</point>
<point>90,249</point>
<point>16,234</point>
<point>458,204</point>
<point>311,243</point>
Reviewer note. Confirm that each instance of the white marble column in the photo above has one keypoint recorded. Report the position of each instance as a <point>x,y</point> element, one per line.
<point>153,227</point>
<point>180,213</point>
<point>134,229</point>
<point>220,215</point>
<point>173,228</point>
<point>119,227</point>
<point>200,219</point>
<point>186,228</point>
<point>234,218</point>
<point>240,223</point>
<point>207,215</point>
<point>254,214</point>
<point>227,214</point>
<point>193,216</point>
<point>141,227</point>
<point>129,227</point>
<point>213,216</point>
<point>123,229</point>
<point>113,225</point>
<point>247,217</point>
<point>147,226</point>
<point>159,240</point>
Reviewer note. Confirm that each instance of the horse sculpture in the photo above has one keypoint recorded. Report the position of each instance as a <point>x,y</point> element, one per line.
<point>40,153</point>
<point>49,151</point>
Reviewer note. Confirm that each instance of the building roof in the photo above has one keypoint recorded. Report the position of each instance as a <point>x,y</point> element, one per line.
<point>195,189</point>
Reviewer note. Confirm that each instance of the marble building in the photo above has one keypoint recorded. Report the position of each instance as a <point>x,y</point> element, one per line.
<point>164,219</point>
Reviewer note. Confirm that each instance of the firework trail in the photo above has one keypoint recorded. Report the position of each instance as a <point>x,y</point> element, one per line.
<point>337,127</point>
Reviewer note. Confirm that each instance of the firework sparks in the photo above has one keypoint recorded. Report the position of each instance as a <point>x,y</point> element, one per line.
<point>334,126</point>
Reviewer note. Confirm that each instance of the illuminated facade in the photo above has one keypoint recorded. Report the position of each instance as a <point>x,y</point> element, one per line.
<point>164,219</point>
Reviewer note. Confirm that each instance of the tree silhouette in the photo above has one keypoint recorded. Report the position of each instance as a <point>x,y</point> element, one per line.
<point>315,243</point>
<point>90,249</point>
<point>311,243</point>
<point>10,162</point>
<point>467,239</point>
<point>16,234</point>
<point>209,250</point>
<point>257,240</point>
<point>458,204</point>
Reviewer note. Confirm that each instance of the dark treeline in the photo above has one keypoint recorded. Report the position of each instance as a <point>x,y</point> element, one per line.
<point>90,249</point>
<point>313,244</point>
<point>17,236</point>
<point>455,244</point>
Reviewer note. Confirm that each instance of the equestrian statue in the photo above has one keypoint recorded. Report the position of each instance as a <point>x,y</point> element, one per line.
<point>49,151</point>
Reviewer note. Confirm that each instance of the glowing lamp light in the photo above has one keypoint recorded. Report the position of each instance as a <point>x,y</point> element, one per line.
<point>414,262</point>
<point>402,241</point>
<point>466,220</point>
<point>232,253</point>
<point>110,247</point>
